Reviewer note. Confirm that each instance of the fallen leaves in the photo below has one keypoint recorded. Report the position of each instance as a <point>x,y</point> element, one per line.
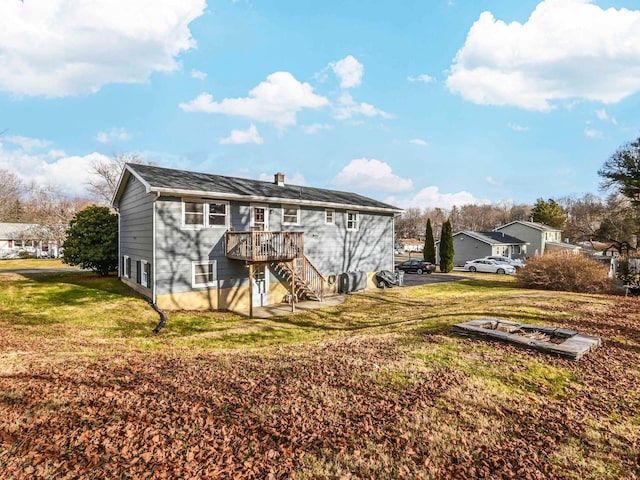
<point>344,408</point>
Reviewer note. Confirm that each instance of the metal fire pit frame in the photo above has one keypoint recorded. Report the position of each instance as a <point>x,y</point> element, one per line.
<point>574,345</point>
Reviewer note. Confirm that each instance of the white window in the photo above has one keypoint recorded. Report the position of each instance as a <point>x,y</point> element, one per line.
<point>126,266</point>
<point>144,268</point>
<point>352,220</point>
<point>329,214</point>
<point>290,215</point>
<point>204,274</point>
<point>203,214</point>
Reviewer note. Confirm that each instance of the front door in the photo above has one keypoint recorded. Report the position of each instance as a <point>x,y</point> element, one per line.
<point>260,286</point>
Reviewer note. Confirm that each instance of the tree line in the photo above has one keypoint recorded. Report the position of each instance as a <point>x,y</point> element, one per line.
<point>613,219</point>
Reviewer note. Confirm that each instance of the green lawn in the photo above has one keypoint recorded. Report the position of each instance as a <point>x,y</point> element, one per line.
<point>30,263</point>
<point>376,387</point>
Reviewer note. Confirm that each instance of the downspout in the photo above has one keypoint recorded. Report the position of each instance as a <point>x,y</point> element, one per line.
<point>119,255</point>
<point>163,316</point>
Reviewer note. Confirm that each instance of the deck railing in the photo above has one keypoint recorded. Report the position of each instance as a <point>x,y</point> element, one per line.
<point>265,246</point>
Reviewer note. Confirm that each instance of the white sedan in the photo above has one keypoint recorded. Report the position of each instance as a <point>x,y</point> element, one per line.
<point>488,266</point>
<point>500,259</point>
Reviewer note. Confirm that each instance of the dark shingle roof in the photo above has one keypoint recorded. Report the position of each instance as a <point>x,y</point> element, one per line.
<point>538,226</point>
<point>163,179</point>
<point>499,237</point>
<point>495,238</point>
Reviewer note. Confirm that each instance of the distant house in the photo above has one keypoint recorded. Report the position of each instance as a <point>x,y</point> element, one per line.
<point>31,238</point>
<point>192,240</point>
<point>540,237</point>
<point>412,244</point>
<point>470,245</point>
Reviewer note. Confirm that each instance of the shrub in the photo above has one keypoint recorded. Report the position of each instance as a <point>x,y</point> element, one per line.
<point>25,254</point>
<point>92,240</point>
<point>628,271</point>
<point>571,273</point>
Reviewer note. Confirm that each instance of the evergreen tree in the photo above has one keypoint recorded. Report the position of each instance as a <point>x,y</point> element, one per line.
<point>446,248</point>
<point>550,213</point>
<point>429,251</point>
<point>621,172</point>
<point>92,240</point>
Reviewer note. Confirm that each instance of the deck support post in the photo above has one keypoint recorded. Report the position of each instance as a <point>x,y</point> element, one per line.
<point>293,286</point>
<point>251,290</point>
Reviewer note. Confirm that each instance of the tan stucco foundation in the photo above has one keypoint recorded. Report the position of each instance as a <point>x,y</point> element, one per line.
<point>236,298</point>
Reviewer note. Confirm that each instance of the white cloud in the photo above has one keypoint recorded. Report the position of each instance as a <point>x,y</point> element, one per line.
<point>365,174</point>
<point>276,100</point>
<point>53,168</point>
<point>431,197</point>
<point>517,128</point>
<point>294,179</point>
<point>592,133</point>
<point>197,74</point>
<point>602,115</point>
<point>59,48</point>
<point>425,78</point>
<point>419,141</point>
<point>117,134</point>
<point>349,71</point>
<point>239,137</point>
<point>567,50</point>
<point>315,128</point>
<point>27,143</point>
<point>347,108</point>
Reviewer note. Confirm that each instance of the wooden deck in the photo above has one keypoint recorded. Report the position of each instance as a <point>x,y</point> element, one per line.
<point>265,246</point>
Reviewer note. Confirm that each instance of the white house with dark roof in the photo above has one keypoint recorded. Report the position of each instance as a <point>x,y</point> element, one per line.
<point>32,238</point>
<point>191,240</point>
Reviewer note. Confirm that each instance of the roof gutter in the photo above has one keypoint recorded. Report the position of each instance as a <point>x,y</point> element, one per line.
<point>256,198</point>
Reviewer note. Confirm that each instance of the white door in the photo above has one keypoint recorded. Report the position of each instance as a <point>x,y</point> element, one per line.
<point>260,286</point>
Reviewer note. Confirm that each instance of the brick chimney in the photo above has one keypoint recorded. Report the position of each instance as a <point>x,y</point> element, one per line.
<point>278,179</point>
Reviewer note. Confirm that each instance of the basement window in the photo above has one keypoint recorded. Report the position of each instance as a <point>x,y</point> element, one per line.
<point>204,274</point>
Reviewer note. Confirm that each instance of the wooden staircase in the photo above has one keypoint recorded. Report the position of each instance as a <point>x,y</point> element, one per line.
<point>309,284</point>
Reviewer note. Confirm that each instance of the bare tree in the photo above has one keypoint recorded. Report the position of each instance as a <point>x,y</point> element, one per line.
<point>584,216</point>
<point>106,174</point>
<point>10,191</point>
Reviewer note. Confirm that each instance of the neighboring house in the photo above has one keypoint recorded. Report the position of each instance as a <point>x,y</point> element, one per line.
<point>32,238</point>
<point>470,245</point>
<point>540,237</point>
<point>194,240</point>
<point>412,244</point>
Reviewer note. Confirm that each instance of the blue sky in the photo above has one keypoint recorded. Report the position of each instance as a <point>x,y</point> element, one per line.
<point>418,103</point>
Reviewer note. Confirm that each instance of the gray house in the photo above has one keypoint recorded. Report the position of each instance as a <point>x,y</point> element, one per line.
<point>192,240</point>
<point>541,238</point>
<point>470,245</point>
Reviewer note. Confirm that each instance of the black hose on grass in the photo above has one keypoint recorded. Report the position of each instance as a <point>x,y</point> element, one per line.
<point>163,318</point>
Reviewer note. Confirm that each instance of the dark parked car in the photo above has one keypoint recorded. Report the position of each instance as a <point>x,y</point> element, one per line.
<point>416,265</point>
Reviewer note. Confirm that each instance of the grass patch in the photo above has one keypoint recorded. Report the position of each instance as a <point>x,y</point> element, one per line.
<point>31,263</point>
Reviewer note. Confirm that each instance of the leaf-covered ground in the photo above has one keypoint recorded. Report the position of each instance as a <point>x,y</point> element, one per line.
<point>407,400</point>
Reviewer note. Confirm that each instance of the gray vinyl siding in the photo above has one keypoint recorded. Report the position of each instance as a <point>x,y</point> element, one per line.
<point>468,248</point>
<point>331,248</point>
<point>136,226</point>
<point>533,236</point>
<point>177,248</point>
